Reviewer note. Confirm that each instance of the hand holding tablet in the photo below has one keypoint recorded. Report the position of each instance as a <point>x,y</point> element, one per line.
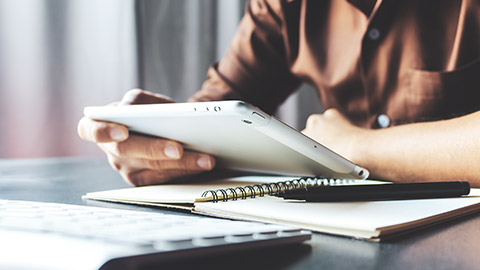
<point>142,160</point>
<point>237,134</point>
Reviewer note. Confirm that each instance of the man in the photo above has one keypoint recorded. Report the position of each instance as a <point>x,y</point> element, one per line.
<point>400,81</point>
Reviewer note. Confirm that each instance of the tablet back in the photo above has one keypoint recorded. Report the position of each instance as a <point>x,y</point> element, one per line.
<point>239,135</point>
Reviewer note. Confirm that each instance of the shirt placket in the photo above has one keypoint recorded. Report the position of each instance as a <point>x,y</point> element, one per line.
<point>370,45</point>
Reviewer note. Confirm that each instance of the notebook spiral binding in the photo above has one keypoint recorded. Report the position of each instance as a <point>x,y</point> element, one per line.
<point>251,191</point>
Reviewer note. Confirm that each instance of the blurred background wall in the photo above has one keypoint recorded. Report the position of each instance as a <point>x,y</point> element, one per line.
<point>58,56</point>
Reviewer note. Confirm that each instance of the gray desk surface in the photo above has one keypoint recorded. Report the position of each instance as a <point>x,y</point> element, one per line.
<point>452,245</point>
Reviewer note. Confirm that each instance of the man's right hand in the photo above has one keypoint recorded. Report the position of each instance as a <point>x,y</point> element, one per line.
<point>142,160</point>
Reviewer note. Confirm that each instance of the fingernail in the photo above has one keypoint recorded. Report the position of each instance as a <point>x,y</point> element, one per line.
<point>117,134</point>
<point>204,162</point>
<point>171,151</point>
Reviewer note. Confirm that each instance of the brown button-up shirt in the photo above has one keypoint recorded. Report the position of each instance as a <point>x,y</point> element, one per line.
<point>413,60</point>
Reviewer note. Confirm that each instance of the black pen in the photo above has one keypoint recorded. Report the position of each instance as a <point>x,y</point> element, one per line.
<point>394,191</point>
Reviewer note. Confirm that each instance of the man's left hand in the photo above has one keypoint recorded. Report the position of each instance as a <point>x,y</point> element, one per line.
<point>335,132</point>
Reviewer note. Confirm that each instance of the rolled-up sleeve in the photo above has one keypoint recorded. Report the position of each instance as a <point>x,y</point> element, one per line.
<point>255,67</point>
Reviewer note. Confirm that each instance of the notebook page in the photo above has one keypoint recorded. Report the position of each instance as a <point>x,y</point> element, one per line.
<point>355,219</point>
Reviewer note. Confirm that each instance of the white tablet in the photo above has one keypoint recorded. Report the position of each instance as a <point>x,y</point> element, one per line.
<point>239,135</point>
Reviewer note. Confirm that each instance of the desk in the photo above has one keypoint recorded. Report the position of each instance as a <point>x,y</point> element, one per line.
<point>451,245</point>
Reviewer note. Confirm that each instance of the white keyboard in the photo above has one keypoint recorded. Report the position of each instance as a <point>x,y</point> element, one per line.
<point>142,232</point>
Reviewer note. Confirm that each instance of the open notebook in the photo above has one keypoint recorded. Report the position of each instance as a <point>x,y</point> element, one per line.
<point>232,198</point>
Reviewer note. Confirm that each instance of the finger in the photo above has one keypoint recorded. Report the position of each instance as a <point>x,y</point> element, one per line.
<point>144,177</point>
<point>154,177</point>
<point>97,131</point>
<point>134,171</point>
<point>312,120</point>
<point>334,115</point>
<point>190,161</point>
<point>138,96</point>
<point>331,112</point>
<point>143,147</point>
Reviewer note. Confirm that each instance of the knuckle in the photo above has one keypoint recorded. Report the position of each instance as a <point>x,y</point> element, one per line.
<point>330,112</point>
<point>146,177</point>
<point>155,149</point>
<point>181,164</point>
<point>116,165</point>
<point>118,149</point>
<point>133,92</point>
<point>131,96</point>
<point>100,132</point>
<point>114,162</point>
<point>312,119</point>
<point>189,162</point>
<point>161,177</point>
<point>92,130</point>
<point>151,151</point>
<point>186,163</point>
<point>155,164</point>
<point>132,178</point>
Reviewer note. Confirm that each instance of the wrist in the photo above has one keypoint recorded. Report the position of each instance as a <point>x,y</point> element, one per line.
<point>359,146</point>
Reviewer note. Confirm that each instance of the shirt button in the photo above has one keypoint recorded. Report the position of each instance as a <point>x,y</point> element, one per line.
<point>383,121</point>
<point>374,34</point>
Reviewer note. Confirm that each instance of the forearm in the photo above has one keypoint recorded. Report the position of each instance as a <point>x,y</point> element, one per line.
<point>431,151</point>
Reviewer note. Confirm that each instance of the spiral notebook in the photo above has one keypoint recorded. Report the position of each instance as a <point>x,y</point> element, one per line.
<point>186,195</point>
<point>246,198</point>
